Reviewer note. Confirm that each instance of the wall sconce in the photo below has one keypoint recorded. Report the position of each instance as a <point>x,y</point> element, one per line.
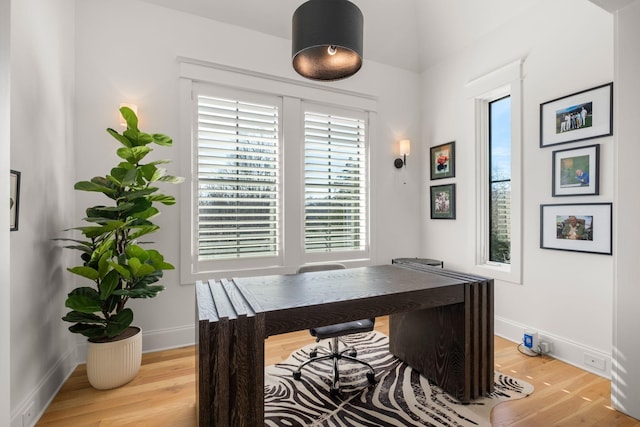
<point>404,146</point>
<point>133,107</point>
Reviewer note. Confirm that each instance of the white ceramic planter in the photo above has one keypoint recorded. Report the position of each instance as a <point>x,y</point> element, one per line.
<point>114,363</point>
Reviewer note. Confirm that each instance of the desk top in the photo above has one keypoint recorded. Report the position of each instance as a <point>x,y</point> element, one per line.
<point>281,292</point>
<point>293,302</point>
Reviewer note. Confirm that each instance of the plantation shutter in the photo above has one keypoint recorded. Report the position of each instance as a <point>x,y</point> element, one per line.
<point>335,192</point>
<point>238,179</point>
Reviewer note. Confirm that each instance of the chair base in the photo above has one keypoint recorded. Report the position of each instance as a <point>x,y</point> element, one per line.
<point>335,355</point>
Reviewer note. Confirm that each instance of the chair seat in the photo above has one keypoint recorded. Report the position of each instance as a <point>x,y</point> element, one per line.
<point>339,329</point>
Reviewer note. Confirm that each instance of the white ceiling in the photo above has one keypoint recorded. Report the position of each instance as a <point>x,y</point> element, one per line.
<point>410,34</point>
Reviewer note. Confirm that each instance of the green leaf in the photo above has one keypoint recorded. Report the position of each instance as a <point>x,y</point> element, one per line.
<point>137,138</point>
<point>171,179</point>
<point>130,117</point>
<point>82,242</point>
<point>109,284</point>
<point>103,264</point>
<point>89,331</point>
<point>78,317</point>
<point>118,323</point>
<point>147,229</point>
<point>91,186</point>
<point>160,162</point>
<point>157,260</point>
<point>145,270</point>
<point>97,184</point>
<point>121,269</point>
<point>139,193</point>
<point>109,226</point>
<point>133,154</point>
<point>162,139</point>
<point>87,272</point>
<point>134,266</point>
<point>123,177</point>
<point>148,171</point>
<point>144,292</point>
<point>84,300</point>
<point>100,211</point>
<point>135,251</point>
<point>148,214</point>
<point>123,139</point>
<point>164,199</point>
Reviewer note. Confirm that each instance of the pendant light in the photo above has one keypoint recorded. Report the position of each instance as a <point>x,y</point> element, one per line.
<point>327,39</point>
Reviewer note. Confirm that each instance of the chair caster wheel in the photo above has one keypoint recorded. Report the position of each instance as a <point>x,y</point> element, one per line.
<point>334,391</point>
<point>297,375</point>
<point>371,377</point>
<point>313,354</point>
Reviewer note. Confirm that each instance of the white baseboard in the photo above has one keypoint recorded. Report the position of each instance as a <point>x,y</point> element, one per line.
<point>46,390</point>
<point>563,349</point>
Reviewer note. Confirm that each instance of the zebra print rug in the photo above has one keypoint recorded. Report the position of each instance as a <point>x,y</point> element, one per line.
<point>401,396</point>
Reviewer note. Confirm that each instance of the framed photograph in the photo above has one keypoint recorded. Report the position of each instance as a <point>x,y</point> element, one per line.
<point>576,117</point>
<point>443,201</point>
<point>578,227</point>
<point>443,161</point>
<point>575,171</point>
<point>14,200</point>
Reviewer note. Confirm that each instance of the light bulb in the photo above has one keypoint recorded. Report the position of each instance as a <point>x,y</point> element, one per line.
<point>332,50</point>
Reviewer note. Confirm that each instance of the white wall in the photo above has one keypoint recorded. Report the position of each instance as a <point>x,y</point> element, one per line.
<point>136,61</point>
<point>5,277</point>
<point>625,385</point>
<point>567,296</point>
<point>42,60</point>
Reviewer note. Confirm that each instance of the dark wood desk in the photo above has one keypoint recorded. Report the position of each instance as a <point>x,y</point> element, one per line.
<point>441,324</point>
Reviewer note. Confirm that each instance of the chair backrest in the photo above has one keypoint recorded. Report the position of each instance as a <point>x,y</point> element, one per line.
<point>320,267</point>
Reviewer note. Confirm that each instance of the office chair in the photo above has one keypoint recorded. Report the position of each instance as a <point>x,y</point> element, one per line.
<point>333,353</point>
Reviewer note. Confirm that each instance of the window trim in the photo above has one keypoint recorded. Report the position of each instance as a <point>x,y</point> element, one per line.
<point>497,84</point>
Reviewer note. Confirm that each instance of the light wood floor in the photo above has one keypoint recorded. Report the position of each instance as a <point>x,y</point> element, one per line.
<point>163,393</point>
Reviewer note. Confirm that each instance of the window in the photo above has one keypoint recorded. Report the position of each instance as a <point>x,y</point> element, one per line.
<point>497,105</point>
<point>278,174</point>
<point>238,179</point>
<point>500,180</point>
<point>335,202</point>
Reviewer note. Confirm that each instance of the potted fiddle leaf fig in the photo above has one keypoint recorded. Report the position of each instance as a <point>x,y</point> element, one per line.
<point>115,260</point>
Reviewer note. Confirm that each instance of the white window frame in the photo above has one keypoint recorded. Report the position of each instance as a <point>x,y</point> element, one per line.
<point>505,81</point>
<point>293,93</point>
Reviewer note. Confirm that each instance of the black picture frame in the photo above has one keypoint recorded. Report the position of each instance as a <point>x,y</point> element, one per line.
<point>443,201</point>
<point>590,230</point>
<point>579,116</point>
<point>576,171</point>
<point>442,159</point>
<point>14,200</point>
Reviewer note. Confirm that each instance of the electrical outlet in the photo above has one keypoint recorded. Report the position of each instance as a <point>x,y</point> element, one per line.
<point>545,347</point>
<point>594,361</point>
<point>28,416</point>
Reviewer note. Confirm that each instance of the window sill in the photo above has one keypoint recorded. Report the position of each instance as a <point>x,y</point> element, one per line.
<point>498,271</point>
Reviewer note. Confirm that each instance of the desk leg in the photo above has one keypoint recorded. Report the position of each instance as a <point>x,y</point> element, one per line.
<point>231,372</point>
<point>450,345</point>
<point>432,342</point>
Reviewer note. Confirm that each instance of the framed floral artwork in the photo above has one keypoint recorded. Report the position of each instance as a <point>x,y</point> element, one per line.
<point>443,161</point>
